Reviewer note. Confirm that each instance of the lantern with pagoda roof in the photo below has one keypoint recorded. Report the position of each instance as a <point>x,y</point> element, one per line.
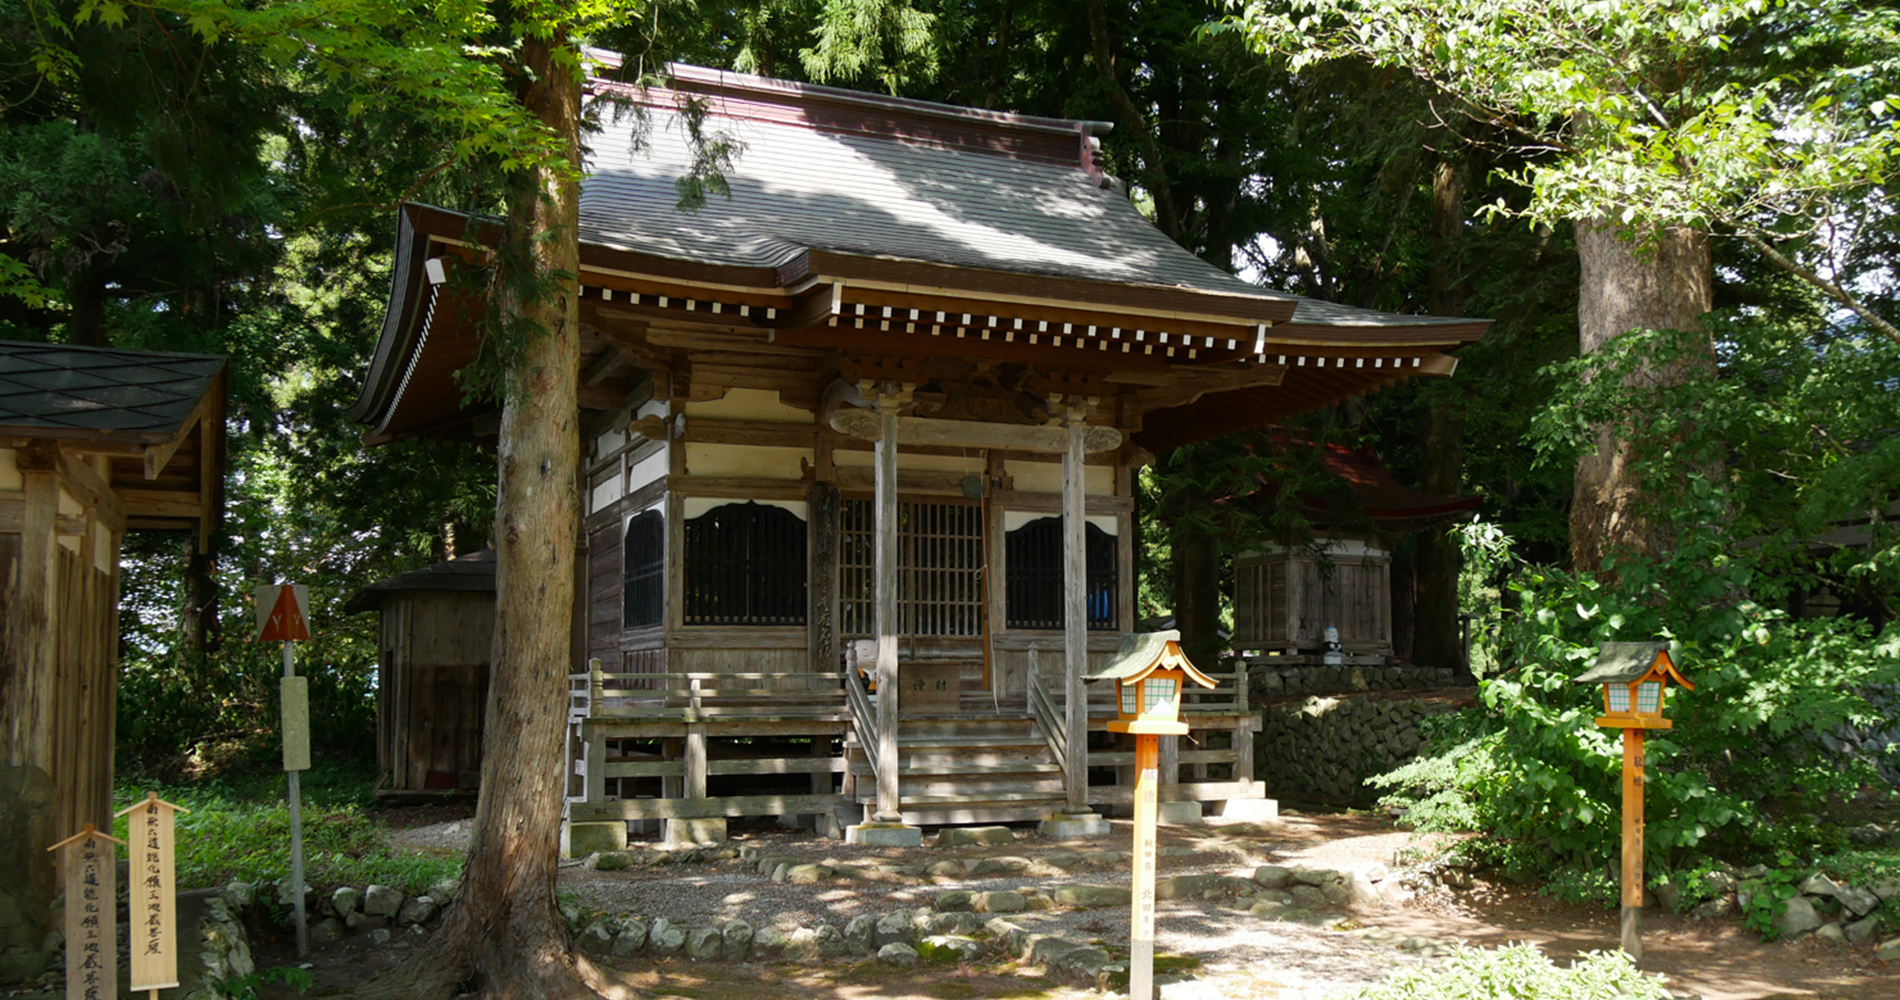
<point>1634,676</point>
<point>1149,671</point>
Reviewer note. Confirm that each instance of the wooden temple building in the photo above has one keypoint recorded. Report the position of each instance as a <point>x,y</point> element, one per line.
<point>93,442</point>
<point>859,443</point>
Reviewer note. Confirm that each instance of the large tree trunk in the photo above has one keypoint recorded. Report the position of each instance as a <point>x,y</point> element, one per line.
<point>199,623</point>
<point>504,936</point>
<point>1435,557</point>
<point>1197,593</point>
<point>1666,285</point>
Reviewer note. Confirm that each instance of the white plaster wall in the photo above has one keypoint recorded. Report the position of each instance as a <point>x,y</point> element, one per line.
<point>10,478</point>
<point>746,460</point>
<point>647,469</point>
<point>750,404</point>
<point>1046,477</point>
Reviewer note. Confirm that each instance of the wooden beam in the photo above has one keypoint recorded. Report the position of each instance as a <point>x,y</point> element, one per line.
<point>185,504</point>
<point>732,805</point>
<point>601,367</point>
<point>865,425</point>
<point>157,456</point>
<point>1192,791</point>
<point>80,479</point>
<point>857,479</point>
<point>751,432</point>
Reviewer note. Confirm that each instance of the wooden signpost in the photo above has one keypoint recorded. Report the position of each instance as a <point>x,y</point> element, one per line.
<point>283,615</point>
<point>88,865</point>
<point>1634,676</point>
<point>1149,671</point>
<point>152,893</point>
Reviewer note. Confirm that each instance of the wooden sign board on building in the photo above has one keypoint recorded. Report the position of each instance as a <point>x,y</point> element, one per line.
<point>152,893</point>
<point>930,688</point>
<point>88,865</point>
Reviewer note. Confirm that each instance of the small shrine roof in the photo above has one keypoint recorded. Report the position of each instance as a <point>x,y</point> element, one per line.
<point>474,573</point>
<point>1623,662</point>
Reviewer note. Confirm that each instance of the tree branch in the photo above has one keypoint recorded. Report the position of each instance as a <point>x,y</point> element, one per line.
<point>1832,290</point>
<point>1136,122</point>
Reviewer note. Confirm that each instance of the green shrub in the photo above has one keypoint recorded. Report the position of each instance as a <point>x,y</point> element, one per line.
<point>241,830</point>
<point>1518,972</point>
<point>1739,777</point>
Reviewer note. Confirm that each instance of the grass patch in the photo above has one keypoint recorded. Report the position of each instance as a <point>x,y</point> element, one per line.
<point>239,828</point>
<point>1518,971</point>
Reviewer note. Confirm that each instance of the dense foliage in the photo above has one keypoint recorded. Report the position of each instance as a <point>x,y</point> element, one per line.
<point>1755,482</point>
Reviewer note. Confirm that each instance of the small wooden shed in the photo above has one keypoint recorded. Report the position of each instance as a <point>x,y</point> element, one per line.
<point>438,625</point>
<point>1285,597</point>
<point>93,442</point>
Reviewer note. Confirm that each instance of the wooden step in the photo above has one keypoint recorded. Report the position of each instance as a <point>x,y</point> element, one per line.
<point>945,770</point>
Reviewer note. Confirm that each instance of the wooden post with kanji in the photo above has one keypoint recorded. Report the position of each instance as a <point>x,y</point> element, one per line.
<point>1634,676</point>
<point>87,864</point>
<point>152,894</point>
<point>283,615</point>
<point>1149,671</point>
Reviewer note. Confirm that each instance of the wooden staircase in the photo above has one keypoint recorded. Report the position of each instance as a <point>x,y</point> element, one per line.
<point>965,769</point>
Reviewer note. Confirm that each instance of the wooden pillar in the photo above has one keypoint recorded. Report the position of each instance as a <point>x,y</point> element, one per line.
<point>695,748</point>
<point>821,615</point>
<point>1075,636</point>
<point>885,483</point>
<point>1632,930</point>
<point>1141,902</point>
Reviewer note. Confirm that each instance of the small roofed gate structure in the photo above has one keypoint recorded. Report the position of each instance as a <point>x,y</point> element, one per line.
<point>93,442</point>
<point>888,397</point>
<point>436,632</point>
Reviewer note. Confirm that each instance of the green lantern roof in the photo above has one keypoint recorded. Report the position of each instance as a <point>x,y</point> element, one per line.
<point>1142,653</point>
<point>1623,662</point>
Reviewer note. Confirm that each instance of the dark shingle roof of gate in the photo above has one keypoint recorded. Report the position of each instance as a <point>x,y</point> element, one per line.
<point>92,390</point>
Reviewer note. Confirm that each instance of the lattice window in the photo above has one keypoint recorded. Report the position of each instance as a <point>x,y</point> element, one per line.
<point>939,575</point>
<point>745,565</point>
<point>643,565</point>
<point>1033,590</point>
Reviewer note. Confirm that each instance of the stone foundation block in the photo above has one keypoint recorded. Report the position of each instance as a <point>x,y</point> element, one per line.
<point>884,835</point>
<point>578,840</point>
<point>693,832</point>
<point>1065,826</point>
<point>1248,811</point>
<point>1178,813</point>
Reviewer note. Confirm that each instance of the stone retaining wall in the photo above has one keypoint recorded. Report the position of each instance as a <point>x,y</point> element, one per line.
<point>1325,748</point>
<point>1274,677</point>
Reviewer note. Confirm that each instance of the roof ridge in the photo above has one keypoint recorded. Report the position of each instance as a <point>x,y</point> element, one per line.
<point>696,78</point>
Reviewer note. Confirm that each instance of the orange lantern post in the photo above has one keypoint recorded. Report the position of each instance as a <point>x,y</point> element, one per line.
<point>1149,671</point>
<point>1634,676</point>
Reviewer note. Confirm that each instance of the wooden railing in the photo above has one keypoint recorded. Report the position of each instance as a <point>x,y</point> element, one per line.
<point>1049,718</point>
<point>863,718</point>
<point>704,697</point>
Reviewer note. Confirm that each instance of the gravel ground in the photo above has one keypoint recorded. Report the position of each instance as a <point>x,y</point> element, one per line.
<point>1239,954</point>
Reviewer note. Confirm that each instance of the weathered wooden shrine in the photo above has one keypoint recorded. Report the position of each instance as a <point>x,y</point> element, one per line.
<point>860,438</point>
<point>1286,596</point>
<point>93,442</point>
<point>436,628</point>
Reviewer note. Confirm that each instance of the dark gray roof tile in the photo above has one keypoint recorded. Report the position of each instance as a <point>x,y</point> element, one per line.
<point>55,387</point>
